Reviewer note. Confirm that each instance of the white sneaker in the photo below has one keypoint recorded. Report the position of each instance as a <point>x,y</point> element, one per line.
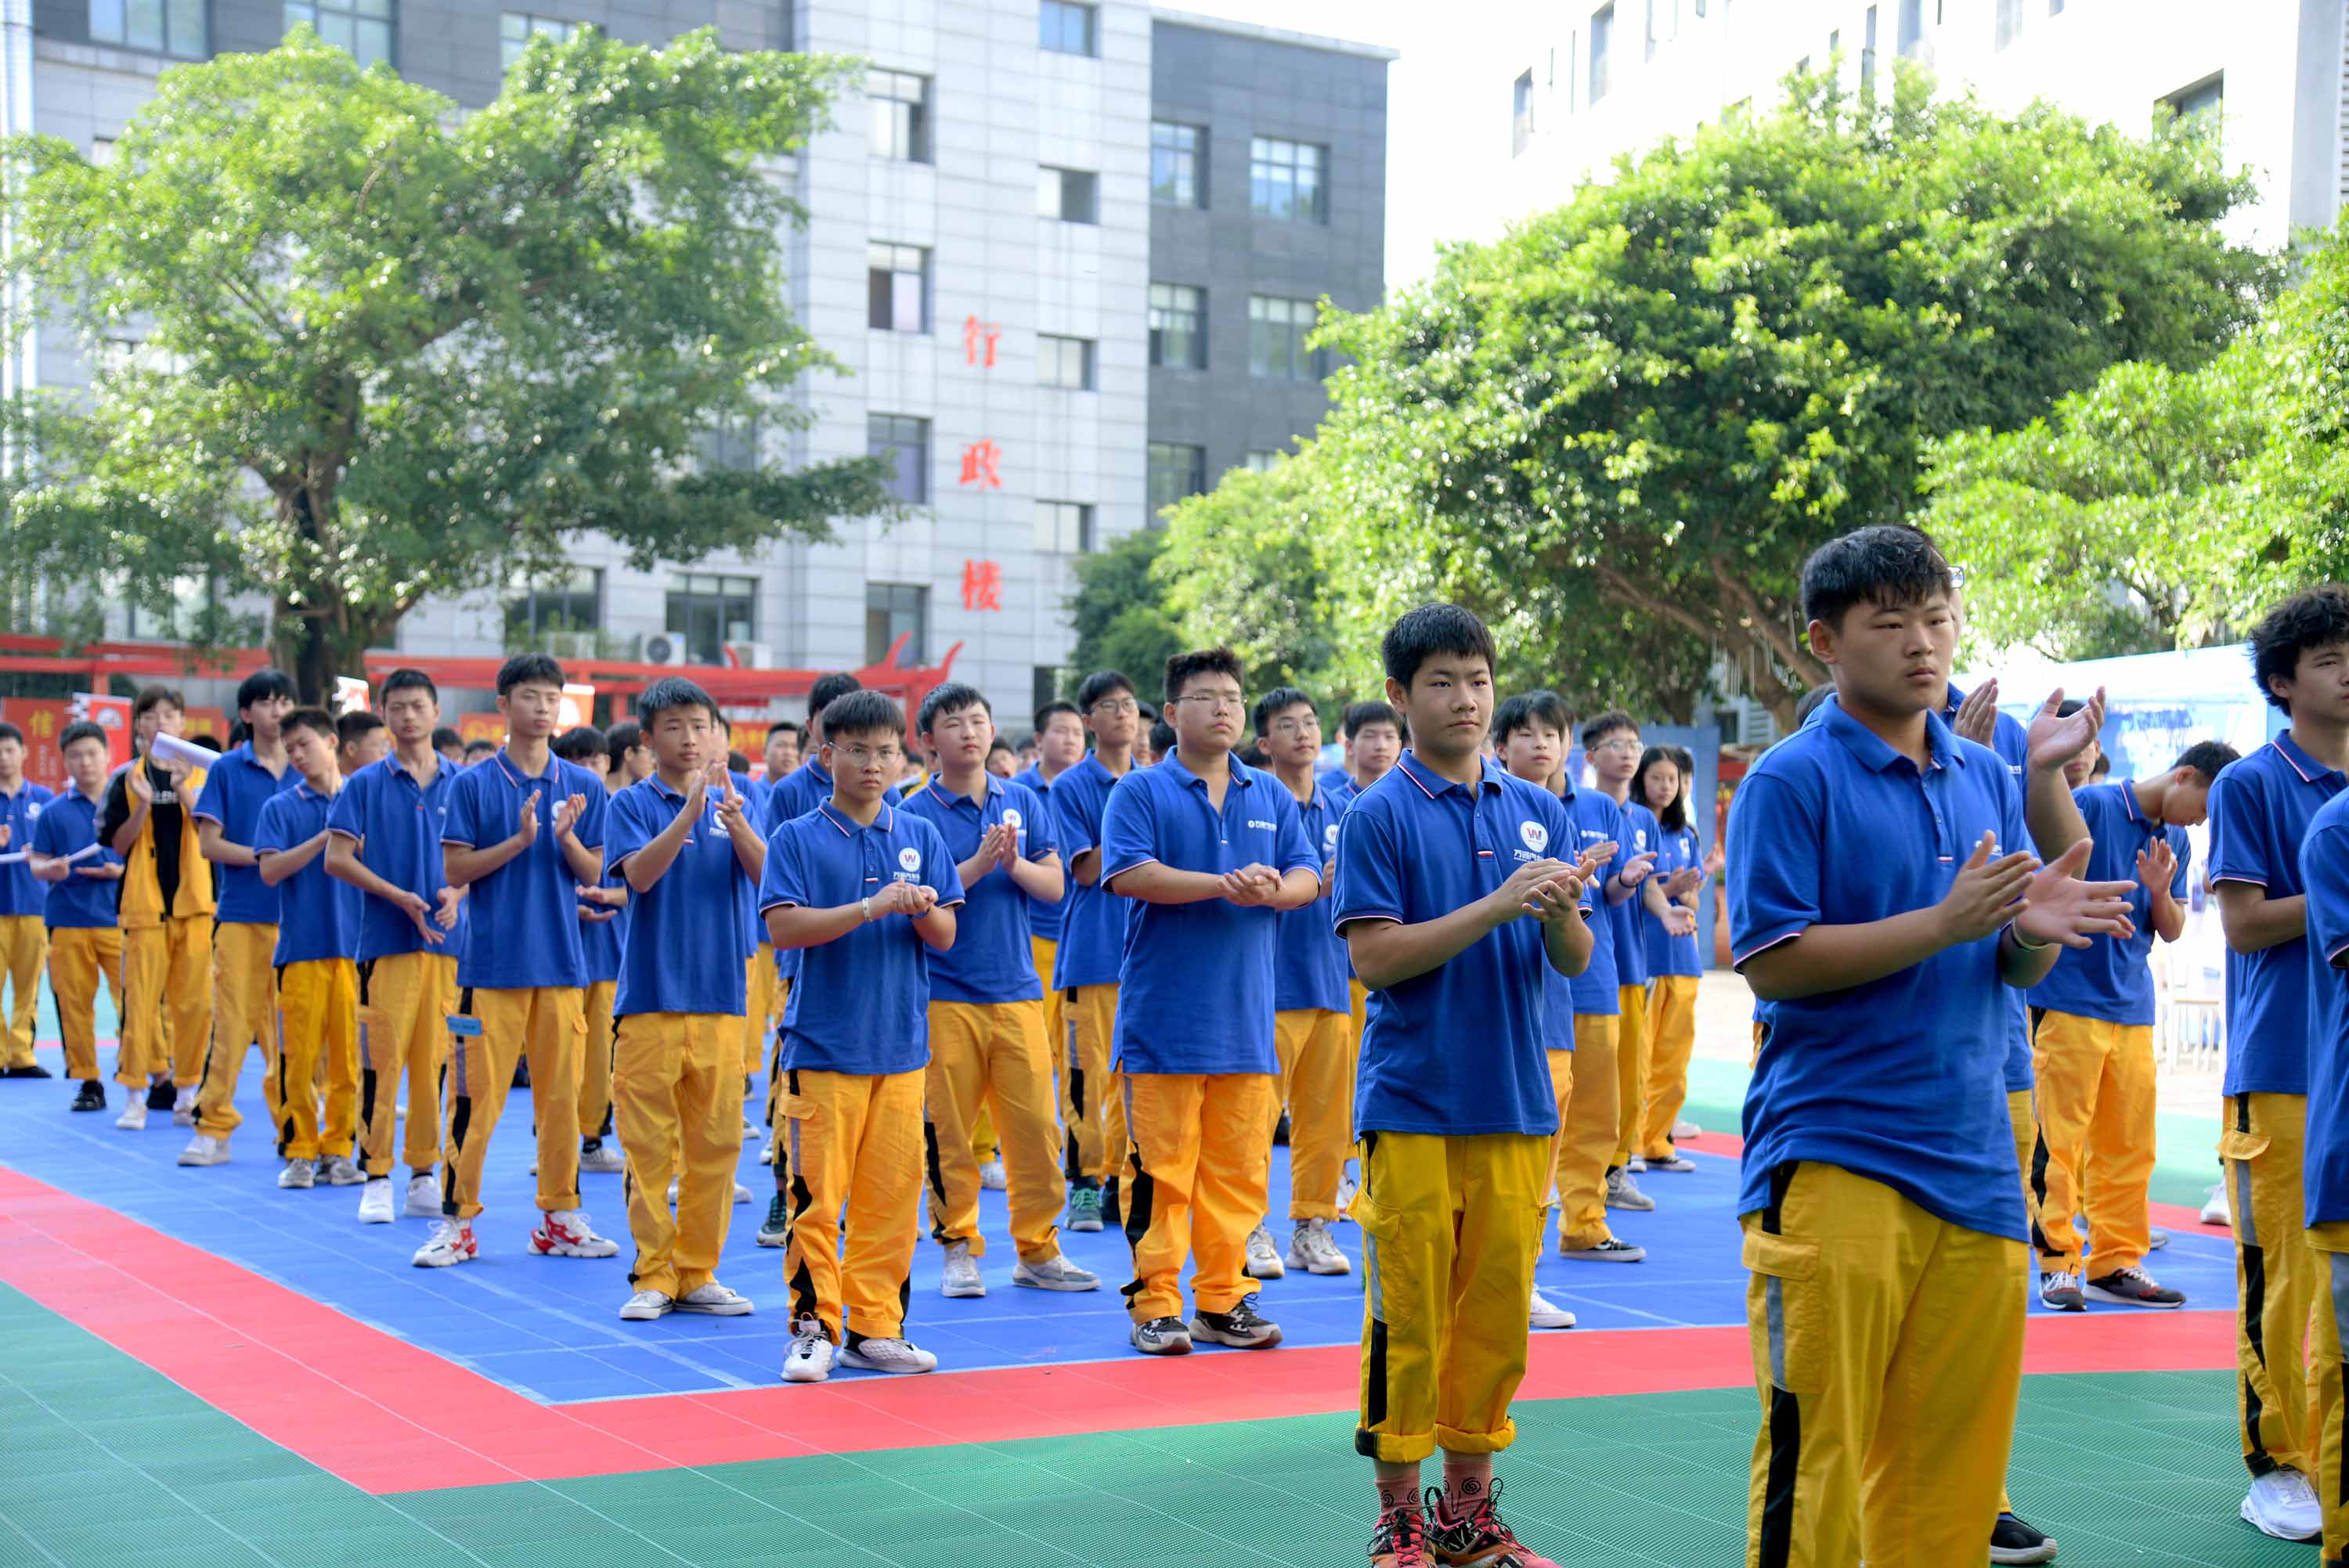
<point>423,1197</point>
<point>2155,1238</point>
<point>134,1113</point>
<point>1637,1165</point>
<point>1055,1272</point>
<point>183,1108</point>
<point>742,1193</point>
<point>602,1161</point>
<point>1546,1313</point>
<point>767,1155</point>
<point>375,1202</point>
<point>299,1173</point>
<point>453,1243</point>
<point>809,1361</point>
<point>1674,1161</point>
<point>1311,1248</point>
<point>339,1170</point>
<point>566,1233</point>
<point>959,1277</point>
<point>645,1306</point>
<point>1684,1128</point>
<point>898,1356</point>
<point>1347,1188</point>
<point>1263,1261</point>
<point>205,1149</point>
<point>714,1300</point>
<point>2282,1504</point>
<point>991,1178</point>
<point>2214,1206</point>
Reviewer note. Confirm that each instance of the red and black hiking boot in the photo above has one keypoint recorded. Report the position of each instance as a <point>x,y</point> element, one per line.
<point>1476,1537</point>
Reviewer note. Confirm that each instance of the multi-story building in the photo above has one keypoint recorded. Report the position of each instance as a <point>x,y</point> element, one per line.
<point>1067,250</point>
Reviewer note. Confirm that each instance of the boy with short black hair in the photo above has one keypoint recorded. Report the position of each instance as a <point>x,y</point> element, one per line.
<point>1060,746</point>
<point>166,909</point>
<point>83,874</point>
<point>480,751</point>
<point>1309,1021</point>
<point>784,748</point>
<point>316,961</point>
<point>23,939</point>
<point>1374,739</point>
<point>631,758</point>
<point>1085,964</point>
<point>2260,810</point>
<point>244,932</point>
<point>683,844</point>
<point>1883,1222</point>
<point>1441,863</point>
<point>360,739</point>
<point>525,832</point>
<point>864,891</point>
<point>384,839</point>
<point>603,917</point>
<point>1612,743</point>
<point>449,744</point>
<point>988,1046</point>
<point>1211,851</point>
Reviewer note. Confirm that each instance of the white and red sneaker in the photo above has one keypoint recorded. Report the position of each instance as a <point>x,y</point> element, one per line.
<point>565,1233</point>
<point>453,1243</point>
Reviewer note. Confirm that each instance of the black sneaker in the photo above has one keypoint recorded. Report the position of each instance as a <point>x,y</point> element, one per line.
<point>2013,1541</point>
<point>160,1095</point>
<point>2133,1288</point>
<point>774,1231</point>
<point>520,1073</point>
<point>1109,1209</point>
<point>1243,1326</point>
<point>2060,1291</point>
<point>1162,1336</point>
<point>1280,1129</point>
<point>29,1070</point>
<point>91,1097</point>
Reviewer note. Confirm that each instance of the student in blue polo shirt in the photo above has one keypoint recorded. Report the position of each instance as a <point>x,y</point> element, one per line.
<point>1210,850</point>
<point>84,880</point>
<point>2260,812</point>
<point>2325,873</point>
<point>385,840</point>
<point>683,843</point>
<point>1666,775</point>
<point>23,940</point>
<point>987,1004</point>
<point>244,936</point>
<point>1883,1211</point>
<point>864,892</point>
<point>1611,741</point>
<point>603,917</point>
<point>315,959</point>
<point>1311,1021</point>
<point>2092,1040</point>
<point>1454,905</point>
<point>524,832</point>
<point>1092,941</point>
<point>1060,746</point>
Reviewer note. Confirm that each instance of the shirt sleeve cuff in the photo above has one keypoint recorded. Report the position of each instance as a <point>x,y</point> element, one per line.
<point>1339,921</point>
<point>1763,944</point>
<point>1108,875</point>
<point>779,903</point>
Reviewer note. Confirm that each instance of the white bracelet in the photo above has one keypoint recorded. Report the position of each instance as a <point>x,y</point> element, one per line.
<point>867,904</point>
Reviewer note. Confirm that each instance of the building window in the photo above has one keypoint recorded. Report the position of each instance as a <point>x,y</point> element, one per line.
<point>1068,28</point>
<point>1178,326</point>
<point>1261,463</point>
<point>1176,471</point>
<point>906,441</point>
<point>361,26</point>
<point>1068,194</point>
<point>2009,26</point>
<point>1285,181</point>
<point>1867,57</point>
<point>192,598</point>
<point>1521,114</point>
<point>1654,36</point>
<point>900,103</point>
<point>731,443</point>
<point>1176,164</point>
<point>1277,329</point>
<point>166,26</point>
<point>2199,109</point>
<point>1910,40</point>
<point>1602,40</point>
<point>1064,362</point>
<point>517,28</point>
<point>898,298</point>
<point>1064,527</point>
<point>568,604</point>
<point>894,610</point>
<point>709,612</point>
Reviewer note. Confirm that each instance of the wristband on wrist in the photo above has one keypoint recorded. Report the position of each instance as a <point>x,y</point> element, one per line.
<point>868,905</point>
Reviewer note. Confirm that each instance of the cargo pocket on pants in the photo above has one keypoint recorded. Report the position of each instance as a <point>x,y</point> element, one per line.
<point>1794,1312</point>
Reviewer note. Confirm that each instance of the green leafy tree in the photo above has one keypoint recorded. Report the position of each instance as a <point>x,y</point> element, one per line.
<point>1120,614</point>
<point>1247,566</point>
<point>390,353</point>
<point>1648,407</point>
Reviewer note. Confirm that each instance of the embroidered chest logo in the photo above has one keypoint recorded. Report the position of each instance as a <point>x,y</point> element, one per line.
<point>1330,836</point>
<point>1536,836</point>
<point>910,858</point>
<point>1011,817</point>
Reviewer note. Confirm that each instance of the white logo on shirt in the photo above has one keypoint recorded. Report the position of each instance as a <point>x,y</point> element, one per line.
<point>32,811</point>
<point>1330,836</point>
<point>1638,838</point>
<point>1268,827</point>
<point>910,858</point>
<point>1536,836</point>
<point>1011,817</point>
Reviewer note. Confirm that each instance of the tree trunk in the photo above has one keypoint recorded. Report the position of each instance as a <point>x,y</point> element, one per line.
<point>315,658</point>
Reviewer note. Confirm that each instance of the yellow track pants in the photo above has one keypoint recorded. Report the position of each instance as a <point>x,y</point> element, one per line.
<point>1671,1041</point>
<point>78,955</point>
<point>2096,1103</point>
<point>1199,1156</point>
<point>1311,1044</point>
<point>405,1000</point>
<point>547,1023</point>
<point>676,1092</point>
<point>855,1148</point>
<point>595,1062</point>
<point>1588,1134</point>
<point>1091,1106</point>
<point>2277,1278</point>
<point>167,970</point>
<point>244,1013</point>
<point>983,1053</point>
<point>318,1017</point>
<point>23,947</point>
<point>1630,1070</point>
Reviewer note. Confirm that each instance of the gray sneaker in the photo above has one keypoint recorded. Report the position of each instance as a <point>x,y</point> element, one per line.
<point>716,1301</point>
<point>1263,1261</point>
<point>1609,1250</point>
<point>776,1229</point>
<point>1311,1248</point>
<point>959,1277</point>
<point>1162,1336</point>
<point>1055,1272</point>
<point>1084,1209</point>
<point>1622,1193</point>
<point>299,1173</point>
<point>337,1171</point>
<point>601,1159</point>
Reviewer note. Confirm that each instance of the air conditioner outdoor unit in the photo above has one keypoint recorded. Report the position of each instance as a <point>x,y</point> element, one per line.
<point>750,655</point>
<point>665,649</point>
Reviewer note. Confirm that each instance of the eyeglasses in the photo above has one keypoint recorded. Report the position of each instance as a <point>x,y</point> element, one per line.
<point>1617,746</point>
<point>1215,700</point>
<point>863,756</point>
<point>1115,704</point>
<point>1296,726</point>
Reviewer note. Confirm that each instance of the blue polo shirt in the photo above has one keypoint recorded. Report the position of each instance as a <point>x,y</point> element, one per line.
<point>1667,954</point>
<point>235,790</point>
<point>683,950</point>
<point>1044,919</point>
<point>600,940</point>
<point>2112,979</point>
<point>2012,741</point>
<point>2260,808</point>
<point>317,914</point>
<point>990,960</point>
<point>1594,993</point>
<point>22,892</point>
<point>1194,983</point>
<point>1901,1079</point>
<point>1628,920</point>
<point>397,824</point>
<point>525,913</point>
<point>1309,964</point>
<point>794,795</point>
<point>1092,919</point>
<point>863,1001</point>
<point>2325,873</point>
<point>67,823</point>
<point>1459,1050</point>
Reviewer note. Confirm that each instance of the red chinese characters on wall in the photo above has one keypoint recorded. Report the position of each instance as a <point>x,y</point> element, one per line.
<point>982,585</point>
